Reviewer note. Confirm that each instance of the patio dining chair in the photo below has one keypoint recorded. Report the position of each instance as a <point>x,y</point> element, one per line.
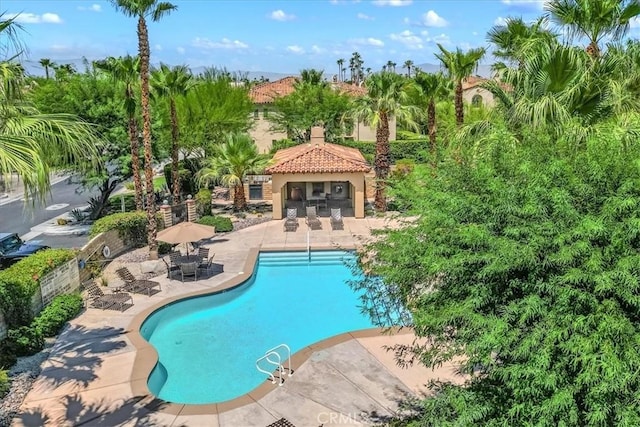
<point>291,221</point>
<point>203,254</point>
<point>189,269</point>
<point>336,219</point>
<point>171,268</point>
<point>312,218</point>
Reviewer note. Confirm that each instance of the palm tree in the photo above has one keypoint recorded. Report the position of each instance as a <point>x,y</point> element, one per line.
<point>356,61</point>
<point>171,83</point>
<point>516,38</point>
<point>142,9</point>
<point>408,64</point>
<point>390,66</point>
<point>126,71</point>
<point>34,144</point>
<point>46,63</point>
<point>459,65</point>
<point>432,87</point>
<point>230,163</point>
<point>386,98</point>
<point>594,20</point>
<point>312,76</point>
<point>340,63</point>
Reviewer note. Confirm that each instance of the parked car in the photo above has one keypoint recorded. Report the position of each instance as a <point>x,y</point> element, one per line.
<point>13,249</point>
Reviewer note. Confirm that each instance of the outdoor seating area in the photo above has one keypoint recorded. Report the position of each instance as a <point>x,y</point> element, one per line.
<point>137,286</point>
<point>312,219</point>
<point>98,299</point>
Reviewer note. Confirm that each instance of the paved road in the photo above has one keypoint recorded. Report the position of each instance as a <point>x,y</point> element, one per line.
<point>16,217</point>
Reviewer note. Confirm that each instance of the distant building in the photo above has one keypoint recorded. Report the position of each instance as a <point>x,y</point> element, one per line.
<point>474,94</point>
<point>263,96</point>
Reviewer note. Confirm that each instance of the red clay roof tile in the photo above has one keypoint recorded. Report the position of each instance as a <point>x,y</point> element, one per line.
<point>318,158</point>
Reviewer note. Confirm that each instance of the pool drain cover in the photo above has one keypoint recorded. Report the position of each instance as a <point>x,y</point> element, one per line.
<point>282,422</point>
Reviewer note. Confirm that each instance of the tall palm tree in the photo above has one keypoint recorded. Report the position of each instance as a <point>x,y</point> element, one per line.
<point>408,64</point>
<point>143,9</point>
<point>170,83</point>
<point>46,63</point>
<point>593,20</point>
<point>126,71</point>
<point>432,87</point>
<point>459,65</point>
<point>515,39</point>
<point>34,144</point>
<point>387,97</point>
<point>390,66</point>
<point>340,63</point>
<point>356,59</point>
<point>230,163</point>
<point>312,76</point>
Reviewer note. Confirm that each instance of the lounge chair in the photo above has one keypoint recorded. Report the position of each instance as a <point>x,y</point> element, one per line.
<point>136,286</point>
<point>171,268</point>
<point>189,269</point>
<point>291,222</point>
<point>312,218</point>
<point>103,301</point>
<point>336,219</point>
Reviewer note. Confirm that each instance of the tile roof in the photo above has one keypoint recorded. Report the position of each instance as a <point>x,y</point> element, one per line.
<point>318,158</point>
<point>472,81</point>
<point>266,93</point>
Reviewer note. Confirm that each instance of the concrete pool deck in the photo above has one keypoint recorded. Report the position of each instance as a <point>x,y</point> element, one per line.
<point>89,377</point>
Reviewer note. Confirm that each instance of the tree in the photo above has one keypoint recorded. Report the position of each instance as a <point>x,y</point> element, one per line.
<point>171,83</point>
<point>143,9</point>
<point>340,63</point>
<point>459,66</point>
<point>515,40</point>
<point>386,98</point>
<point>126,71</point>
<point>408,64</point>
<point>46,63</point>
<point>33,144</point>
<point>593,20</point>
<point>231,162</point>
<point>432,87</point>
<point>521,265</point>
<point>312,76</point>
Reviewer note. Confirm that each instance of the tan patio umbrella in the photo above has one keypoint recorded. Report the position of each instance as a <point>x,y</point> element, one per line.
<point>186,232</point>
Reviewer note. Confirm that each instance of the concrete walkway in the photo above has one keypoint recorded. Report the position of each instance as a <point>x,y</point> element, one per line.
<point>88,378</point>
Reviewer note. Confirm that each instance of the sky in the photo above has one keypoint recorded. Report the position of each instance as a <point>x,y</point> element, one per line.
<point>261,35</point>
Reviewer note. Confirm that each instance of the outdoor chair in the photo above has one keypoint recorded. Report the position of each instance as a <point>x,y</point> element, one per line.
<point>174,257</point>
<point>207,265</point>
<point>136,286</point>
<point>203,255</point>
<point>189,269</point>
<point>291,222</point>
<point>312,218</point>
<point>103,301</point>
<point>171,268</point>
<point>336,219</point>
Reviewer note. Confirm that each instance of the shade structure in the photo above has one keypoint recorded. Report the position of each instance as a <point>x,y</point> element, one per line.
<point>186,232</point>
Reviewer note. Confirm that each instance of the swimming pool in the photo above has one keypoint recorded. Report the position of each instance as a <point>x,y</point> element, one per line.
<point>208,345</point>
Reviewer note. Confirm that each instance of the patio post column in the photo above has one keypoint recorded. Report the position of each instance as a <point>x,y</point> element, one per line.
<point>191,209</point>
<point>165,210</point>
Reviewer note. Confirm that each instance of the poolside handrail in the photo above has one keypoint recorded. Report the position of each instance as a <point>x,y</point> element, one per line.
<point>277,364</point>
<point>308,244</point>
<point>287,358</point>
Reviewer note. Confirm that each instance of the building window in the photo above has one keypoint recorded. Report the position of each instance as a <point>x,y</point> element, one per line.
<point>318,189</point>
<point>256,114</point>
<point>476,101</point>
<point>255,191</point>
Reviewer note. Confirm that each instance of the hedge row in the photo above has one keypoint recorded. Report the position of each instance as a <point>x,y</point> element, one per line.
<point>131,226</point>
<point>221,223</point>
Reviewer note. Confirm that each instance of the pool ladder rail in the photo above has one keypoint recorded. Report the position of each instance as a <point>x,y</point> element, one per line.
<point>275,357</point>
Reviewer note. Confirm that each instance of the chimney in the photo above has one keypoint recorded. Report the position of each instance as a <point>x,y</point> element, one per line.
<point>317,135</point>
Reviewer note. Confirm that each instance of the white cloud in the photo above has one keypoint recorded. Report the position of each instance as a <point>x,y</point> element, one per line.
<point>369,41</point>
<point>524,5</point>
<point>92,8</point>
<point>180,50</point>
<point>410,40</point>
<point>500,21</point>
<point>365,17</point>
<point>225,43</point>
<point>281,15</point>
<point>432,19</point>
<point>634,22</point>
<point>392,2</point>
<point>158,47</point>
<point>474,33</point>
<point>32,18</point>
<point>317,49</point>
<point>442,39</point>
<point>295,49</point>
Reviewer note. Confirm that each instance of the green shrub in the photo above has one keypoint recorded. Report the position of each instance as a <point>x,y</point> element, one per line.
<point>221,223</point>
<point>25,340</point>
<point>415,149</point>
<point>4,382</point>
<point>7,356</point>
<point>203,202</point>
<point>280,145</point>
<point>131,227</point>
<point>164,248</point>
<point>19,282</point>
<point>62,309</point>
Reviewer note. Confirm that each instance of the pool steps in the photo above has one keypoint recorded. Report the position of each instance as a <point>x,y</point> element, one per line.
<point>302,258</point>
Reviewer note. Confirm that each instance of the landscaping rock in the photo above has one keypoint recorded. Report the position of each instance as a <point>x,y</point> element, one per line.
<point>152,266</point>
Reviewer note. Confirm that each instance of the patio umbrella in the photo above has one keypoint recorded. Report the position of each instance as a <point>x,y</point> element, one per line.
<point>186,232</point>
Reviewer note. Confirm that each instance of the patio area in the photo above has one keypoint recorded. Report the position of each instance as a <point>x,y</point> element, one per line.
<point>89,378</point>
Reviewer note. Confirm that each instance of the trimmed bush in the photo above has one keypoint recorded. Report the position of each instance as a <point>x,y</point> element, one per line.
<point>25,340</point>
<point>221,223</point>
<point>131,227</point>
<point>62,309</point>
<point>19,282</point>
<point>4,382</point>
<point>203,202</point>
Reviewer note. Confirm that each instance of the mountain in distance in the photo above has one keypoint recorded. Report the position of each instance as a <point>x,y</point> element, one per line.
<point>484,70</point>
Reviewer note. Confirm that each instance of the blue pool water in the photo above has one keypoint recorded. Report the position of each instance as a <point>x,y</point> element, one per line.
<point>208,346</point>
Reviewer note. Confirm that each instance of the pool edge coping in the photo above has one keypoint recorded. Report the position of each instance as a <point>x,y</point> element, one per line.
<point>146,356</point>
